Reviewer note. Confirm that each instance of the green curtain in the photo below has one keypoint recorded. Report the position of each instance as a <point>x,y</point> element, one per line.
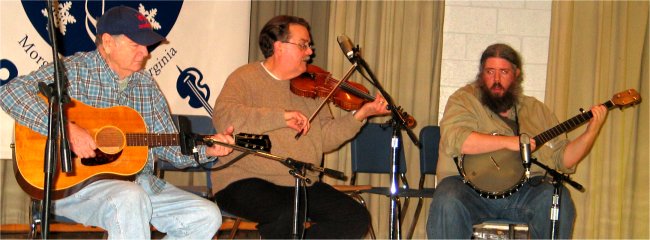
<point>599,48</point>
<point>402,43</point>
<point>315,12</point>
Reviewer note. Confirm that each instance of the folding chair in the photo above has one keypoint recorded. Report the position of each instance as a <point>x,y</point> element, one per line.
<point>429,141</point>
<point>57,223</point>
<point>371,153</point>
<point>202,125</point>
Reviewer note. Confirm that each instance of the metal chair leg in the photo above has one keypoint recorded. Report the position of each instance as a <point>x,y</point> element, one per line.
<point>360,199</point>
<point>416,215</point>
<point>35,214</point>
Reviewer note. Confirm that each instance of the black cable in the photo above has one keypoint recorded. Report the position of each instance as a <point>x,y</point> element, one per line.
<point>225,165</point>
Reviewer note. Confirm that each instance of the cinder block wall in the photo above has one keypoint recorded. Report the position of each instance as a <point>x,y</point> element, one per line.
<point>470,26</point>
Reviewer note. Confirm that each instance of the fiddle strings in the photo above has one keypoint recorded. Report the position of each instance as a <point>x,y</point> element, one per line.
<point>345,78</point>
<point>357,92</point>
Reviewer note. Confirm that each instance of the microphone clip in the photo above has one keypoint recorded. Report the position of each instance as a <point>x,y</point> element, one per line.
<point>355,53</point>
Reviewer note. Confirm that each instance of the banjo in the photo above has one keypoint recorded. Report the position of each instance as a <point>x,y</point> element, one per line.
<point>500,173</point>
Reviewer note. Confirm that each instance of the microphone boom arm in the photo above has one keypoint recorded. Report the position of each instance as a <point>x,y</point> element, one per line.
<point>396,115</point>
<point>292,163</point>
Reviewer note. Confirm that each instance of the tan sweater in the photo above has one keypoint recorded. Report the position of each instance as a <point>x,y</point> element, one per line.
<point>254,102</point>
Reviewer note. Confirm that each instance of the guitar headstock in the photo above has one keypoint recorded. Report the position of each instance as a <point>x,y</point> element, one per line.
<point>626,98</point>
<point>253,141</point>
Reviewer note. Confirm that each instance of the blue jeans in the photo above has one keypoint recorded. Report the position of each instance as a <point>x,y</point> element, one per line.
<point>125,209</point>
<point>456,207</point>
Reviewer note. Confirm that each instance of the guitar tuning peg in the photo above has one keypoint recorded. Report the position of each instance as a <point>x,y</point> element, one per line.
<point>581,110</point>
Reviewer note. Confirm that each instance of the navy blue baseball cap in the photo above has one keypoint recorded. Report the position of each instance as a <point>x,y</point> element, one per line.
<point>128,21</point>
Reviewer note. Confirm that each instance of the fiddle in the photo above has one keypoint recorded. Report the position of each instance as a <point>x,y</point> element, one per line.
<point>318,82</point>
<point>348,96</point>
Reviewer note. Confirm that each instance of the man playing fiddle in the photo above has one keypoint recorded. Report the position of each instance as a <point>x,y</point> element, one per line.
<point>256,98</point>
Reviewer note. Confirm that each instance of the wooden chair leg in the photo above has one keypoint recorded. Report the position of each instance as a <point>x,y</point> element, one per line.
<point>235,227</point>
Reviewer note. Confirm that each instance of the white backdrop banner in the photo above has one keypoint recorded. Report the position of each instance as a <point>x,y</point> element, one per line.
<point>206,41</point>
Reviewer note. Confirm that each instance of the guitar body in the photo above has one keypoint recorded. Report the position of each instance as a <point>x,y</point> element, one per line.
<point>116,159</point>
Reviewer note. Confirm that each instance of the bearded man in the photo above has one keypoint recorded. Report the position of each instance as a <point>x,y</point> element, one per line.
<point>489,115</point>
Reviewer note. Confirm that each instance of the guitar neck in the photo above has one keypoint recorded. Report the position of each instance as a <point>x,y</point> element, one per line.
<point>243,140</point>
<point>152,139</point>
<point>567,125</point>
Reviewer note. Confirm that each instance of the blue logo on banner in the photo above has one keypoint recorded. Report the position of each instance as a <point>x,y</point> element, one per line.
<point>190,84</point>
<point>77,19</point>
<point>10,67</point>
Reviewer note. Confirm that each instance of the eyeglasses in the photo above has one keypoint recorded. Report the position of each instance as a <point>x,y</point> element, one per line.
<point>303,46</point>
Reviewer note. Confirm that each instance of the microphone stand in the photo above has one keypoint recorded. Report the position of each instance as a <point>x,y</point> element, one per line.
<point>297,169</point>
<point>399,123</point>
<point>298,172</point>
<point>57,138</point>
<point>558,179</point>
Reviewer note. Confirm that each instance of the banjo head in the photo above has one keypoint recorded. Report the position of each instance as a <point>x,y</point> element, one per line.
<point>493,175</point>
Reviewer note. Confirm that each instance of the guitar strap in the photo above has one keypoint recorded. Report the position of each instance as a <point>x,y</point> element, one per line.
<point>513,124</point>
<point>515,128</point>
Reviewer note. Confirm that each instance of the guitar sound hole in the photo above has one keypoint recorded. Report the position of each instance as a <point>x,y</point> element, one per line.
<point>110,140</point>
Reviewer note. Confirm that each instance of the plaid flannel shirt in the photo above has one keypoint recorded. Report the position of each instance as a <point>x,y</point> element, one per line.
<point>92,82</point>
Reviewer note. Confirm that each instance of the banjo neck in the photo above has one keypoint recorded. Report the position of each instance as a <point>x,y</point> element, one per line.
<point>567,125</point>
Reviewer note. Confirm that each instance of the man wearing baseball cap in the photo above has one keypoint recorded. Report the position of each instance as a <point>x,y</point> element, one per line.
<point>128,21</point>
<point>112,75</point>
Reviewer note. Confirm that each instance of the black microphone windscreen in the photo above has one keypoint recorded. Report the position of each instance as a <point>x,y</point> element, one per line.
<point>335,174</point>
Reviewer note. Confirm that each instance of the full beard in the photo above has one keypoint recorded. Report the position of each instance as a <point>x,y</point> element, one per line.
<point>499,104</point>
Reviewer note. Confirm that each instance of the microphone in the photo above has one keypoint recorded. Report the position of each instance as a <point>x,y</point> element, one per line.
<point>329,172</point>
<point>524,148</point>
<point>347,46</point>
<point>335,174</point>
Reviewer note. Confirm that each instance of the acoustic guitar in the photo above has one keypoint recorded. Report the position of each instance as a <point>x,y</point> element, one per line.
<point>122,149</point>
<point>500,173</point>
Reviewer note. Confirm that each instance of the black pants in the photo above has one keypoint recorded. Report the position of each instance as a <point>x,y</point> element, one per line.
<point>332,214</point>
